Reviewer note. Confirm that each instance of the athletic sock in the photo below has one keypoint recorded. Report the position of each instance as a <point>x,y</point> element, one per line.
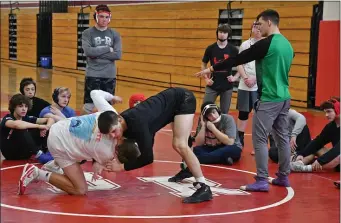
<point>44,175</point>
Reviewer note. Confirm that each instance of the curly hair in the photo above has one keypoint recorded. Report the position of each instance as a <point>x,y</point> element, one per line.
<point>19,99</point>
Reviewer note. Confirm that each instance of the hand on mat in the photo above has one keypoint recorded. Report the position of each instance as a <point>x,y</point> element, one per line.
<point>204,73</point>
<point>316,166</point>
<point>232,78</point>
<point>117,99</point>
<point>114,166</point>
<point>208,81</point>
<point>293,144</point>
<point>56,111</point>
<point>97,168</point>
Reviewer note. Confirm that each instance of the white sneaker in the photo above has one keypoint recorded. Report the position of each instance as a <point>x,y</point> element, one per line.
<point>52,167</point>
<point>29,174</point>
<point>299,166</point>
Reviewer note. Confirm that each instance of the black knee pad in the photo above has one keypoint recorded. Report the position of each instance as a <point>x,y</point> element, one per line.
<point>243,115</point>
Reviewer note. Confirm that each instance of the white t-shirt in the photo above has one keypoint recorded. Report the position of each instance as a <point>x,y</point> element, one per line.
<point>78,138</point>
<point>250,68</point>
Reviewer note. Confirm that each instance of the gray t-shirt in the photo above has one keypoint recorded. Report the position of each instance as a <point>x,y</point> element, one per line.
<point>96,45</point>
<point>227,125</point>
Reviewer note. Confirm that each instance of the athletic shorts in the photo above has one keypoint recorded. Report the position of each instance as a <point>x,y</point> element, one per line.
<point>97,83</point>
<point>57,150</point>
<point>246,100</point>
<point>188,105</point>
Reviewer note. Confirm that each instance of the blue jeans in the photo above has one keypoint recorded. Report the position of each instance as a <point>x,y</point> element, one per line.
<point>217,154</point>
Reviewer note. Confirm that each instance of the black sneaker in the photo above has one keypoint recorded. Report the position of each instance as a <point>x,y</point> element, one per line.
<point>183,174</point>
<point>202,194</point>
<point>229,161</point>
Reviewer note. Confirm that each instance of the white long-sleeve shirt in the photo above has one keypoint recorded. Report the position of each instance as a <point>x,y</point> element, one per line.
<point>297,122</point>
<point>80,138</point>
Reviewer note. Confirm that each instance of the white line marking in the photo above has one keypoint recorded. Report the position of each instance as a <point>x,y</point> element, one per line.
<point>288,197</point>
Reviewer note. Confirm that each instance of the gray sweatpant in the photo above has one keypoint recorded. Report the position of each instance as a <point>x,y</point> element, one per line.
<point>271,116</point>
<point>225,98</point>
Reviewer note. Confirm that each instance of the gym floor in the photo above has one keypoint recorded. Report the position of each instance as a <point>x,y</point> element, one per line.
<point>144,195</point>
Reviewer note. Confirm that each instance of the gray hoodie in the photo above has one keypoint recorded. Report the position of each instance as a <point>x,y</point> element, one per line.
<point>297,122</point>
<point>96,45</point>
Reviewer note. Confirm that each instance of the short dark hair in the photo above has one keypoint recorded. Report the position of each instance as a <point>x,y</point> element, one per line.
<point>128,151</point>
<point>24,82</point>
<point>224,27</point>
<point>19,99</point>
<point>329,103</point>
<point>102,7</point>
<point>106,120</point>
<point>269,14</point>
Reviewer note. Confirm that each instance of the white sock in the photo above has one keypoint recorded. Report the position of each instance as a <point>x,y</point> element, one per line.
<point>44,175</point>
<point>201,180</point>
<point>308,168</point>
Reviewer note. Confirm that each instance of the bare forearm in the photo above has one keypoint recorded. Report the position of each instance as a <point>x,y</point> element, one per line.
<point>18,124</point>
<point>241,71</point>
<point>50,122</point>
<point>223,137</point>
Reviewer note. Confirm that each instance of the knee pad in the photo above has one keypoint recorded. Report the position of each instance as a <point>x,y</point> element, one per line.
<point>243,115</point>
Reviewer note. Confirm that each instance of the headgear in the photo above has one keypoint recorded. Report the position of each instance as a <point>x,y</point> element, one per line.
<point>136,98</point>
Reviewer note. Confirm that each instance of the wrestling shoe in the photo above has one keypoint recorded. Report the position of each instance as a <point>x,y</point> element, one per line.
<point>44,157</point>
<point>202,194</point>
<point>261,185</point>
<point>183,174</point>
<point>29,174</point>
<point>281,180</point>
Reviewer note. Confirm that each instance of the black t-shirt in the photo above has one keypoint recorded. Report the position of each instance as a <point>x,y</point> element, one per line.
<point>215,54</point>
<point>329,134</point>
<point>148,117</point>
<point>38,105</point>
<point>7,132</point>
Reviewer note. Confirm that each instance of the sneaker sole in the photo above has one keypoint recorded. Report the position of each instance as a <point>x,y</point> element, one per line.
<point>198,201</point>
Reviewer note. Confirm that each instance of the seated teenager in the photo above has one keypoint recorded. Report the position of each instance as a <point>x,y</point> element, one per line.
<point>328,159</point>
<point>16,141</point>
<point>59,109</point>
<point>29,88</point>
<point>217,141</point>
<point>299,135</point>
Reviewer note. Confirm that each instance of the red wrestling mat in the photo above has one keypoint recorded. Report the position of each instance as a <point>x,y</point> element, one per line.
<point>144,195</point>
